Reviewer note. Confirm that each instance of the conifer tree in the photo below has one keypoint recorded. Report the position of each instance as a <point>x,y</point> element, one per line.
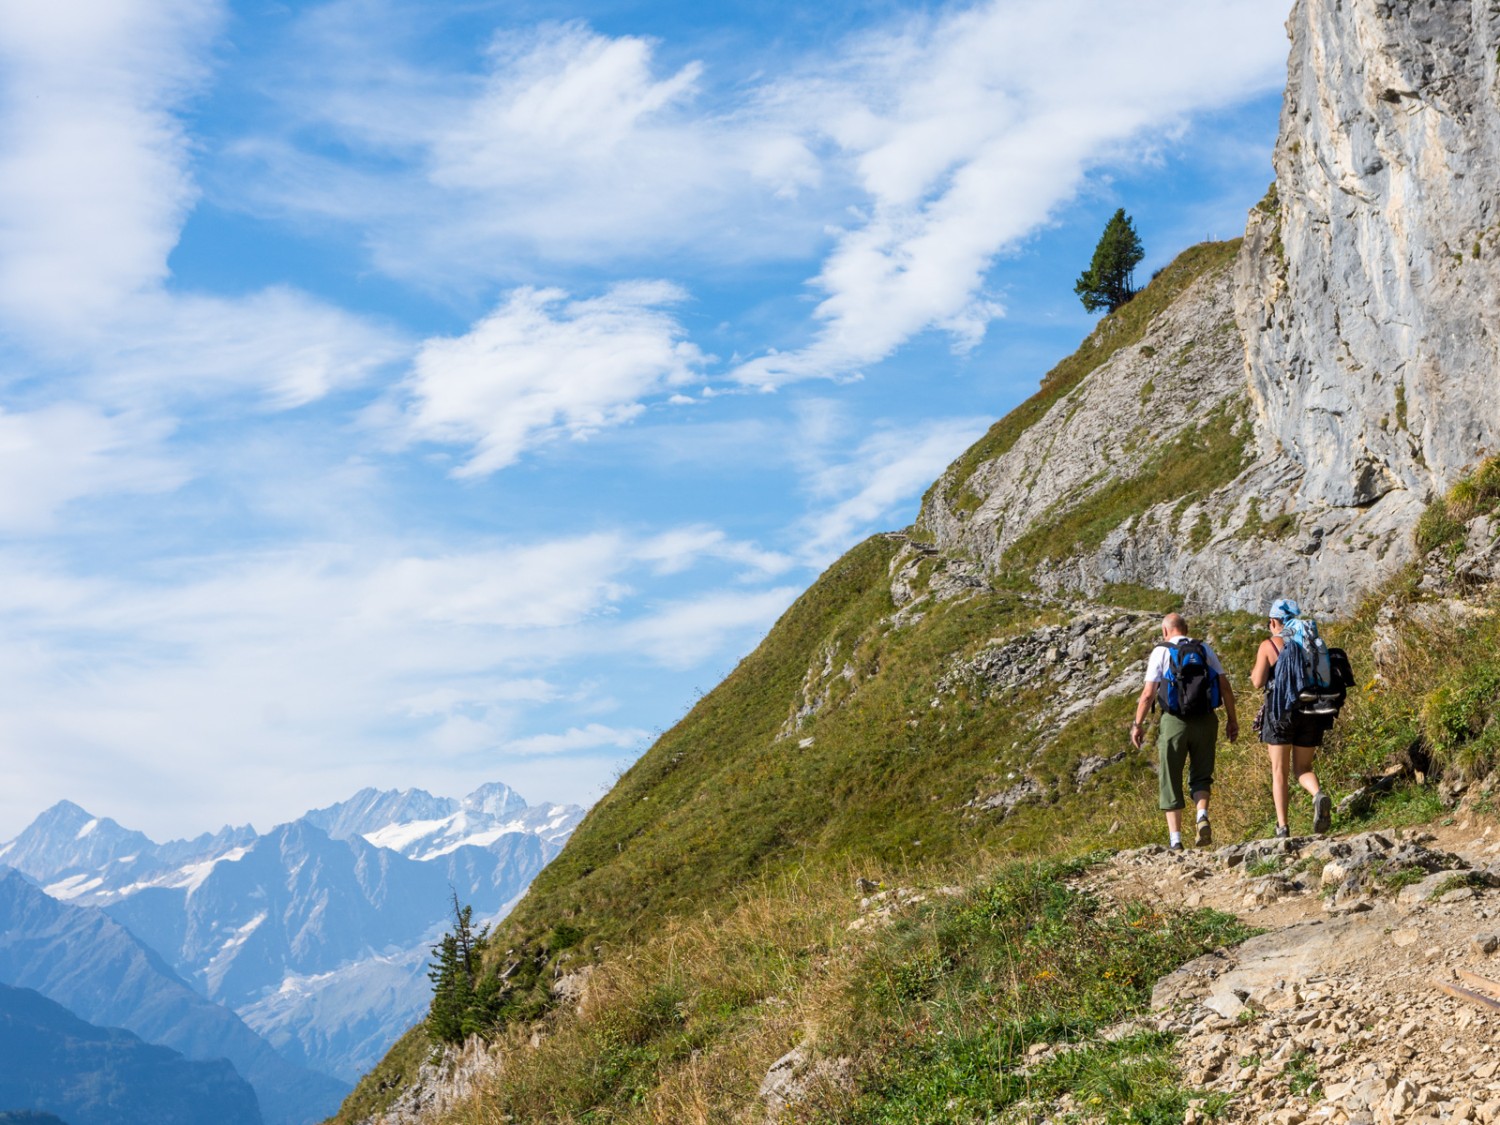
<point>459,1001</point>
<point>1109,281</point>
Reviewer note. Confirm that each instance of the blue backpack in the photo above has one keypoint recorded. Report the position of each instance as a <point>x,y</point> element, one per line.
<point>1189,687</point>
<point>1309,677</point>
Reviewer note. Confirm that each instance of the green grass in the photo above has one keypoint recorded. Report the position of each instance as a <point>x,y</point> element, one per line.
<point>713,885</point>
<point>1119,329</point>
<point>1144,598</point>
<point>1189,467</point>
<point>956,1000</point>
<point>1459,880</point>
<point>396,1071</point>
<point>1442,524</point>
<point>1301,1076</point>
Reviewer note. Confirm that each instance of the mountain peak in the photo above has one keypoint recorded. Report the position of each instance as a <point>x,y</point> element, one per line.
<point>67,838</point>
<point>370,810</point>
<point>494,799</point>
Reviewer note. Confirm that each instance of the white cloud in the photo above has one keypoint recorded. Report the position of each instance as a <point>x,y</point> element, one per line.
<point>247,682</point>
<point>888,471</point>
<point>968,129</point>
<point>543,366</point>
<point>922,150</point>
<point>541,586</point>
<point>94,181</point>
<point>681,634</point>
<point>95,185</point>
<point>52,456</point>
<point>594,736</point>
<point>565,96</point>
<point>675,551</point>
<point>572,147</point>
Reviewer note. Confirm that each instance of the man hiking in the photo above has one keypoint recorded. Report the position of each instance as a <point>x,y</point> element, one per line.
<point>1186,678</point>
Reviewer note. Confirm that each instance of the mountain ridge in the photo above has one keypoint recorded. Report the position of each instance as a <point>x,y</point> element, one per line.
<point>105,1076</point>
<point>318,944</point>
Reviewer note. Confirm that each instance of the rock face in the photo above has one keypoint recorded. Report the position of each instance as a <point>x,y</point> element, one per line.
<point>1370,293</point>
<point>1357,332</point>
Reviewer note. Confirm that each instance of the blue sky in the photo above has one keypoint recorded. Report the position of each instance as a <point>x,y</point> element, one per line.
<point>420,394</point>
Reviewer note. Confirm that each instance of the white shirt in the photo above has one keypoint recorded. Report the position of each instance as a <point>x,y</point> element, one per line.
<point>1156,667</point>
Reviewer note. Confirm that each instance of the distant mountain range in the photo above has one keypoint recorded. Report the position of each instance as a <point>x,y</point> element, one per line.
<point>299,954</point>
<point>95,967</point>
<point>56,1063</point>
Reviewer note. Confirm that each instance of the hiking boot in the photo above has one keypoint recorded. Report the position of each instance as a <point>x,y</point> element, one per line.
<point>1177,847</point>
<point>1205,835</point>
<point>1282,832</point>
<point>1322,813</point>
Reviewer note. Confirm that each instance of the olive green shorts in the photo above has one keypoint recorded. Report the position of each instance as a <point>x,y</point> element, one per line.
<point>1185,742</point>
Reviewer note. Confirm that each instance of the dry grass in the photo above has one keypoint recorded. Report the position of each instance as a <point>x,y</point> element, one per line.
<point>682,1027</point>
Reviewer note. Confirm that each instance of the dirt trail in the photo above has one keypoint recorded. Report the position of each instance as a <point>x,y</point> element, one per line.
<point>1336,1013</point>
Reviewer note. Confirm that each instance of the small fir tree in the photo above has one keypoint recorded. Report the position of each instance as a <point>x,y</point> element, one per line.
<point>1109,281</point>
<point>460,1000</point>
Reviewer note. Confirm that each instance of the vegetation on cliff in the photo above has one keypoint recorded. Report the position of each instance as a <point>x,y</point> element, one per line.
<point>858,844</point>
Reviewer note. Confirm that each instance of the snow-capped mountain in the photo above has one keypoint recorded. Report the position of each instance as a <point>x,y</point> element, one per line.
<point>316,933</point>
<point>66,840</point>
<point>421,826</point>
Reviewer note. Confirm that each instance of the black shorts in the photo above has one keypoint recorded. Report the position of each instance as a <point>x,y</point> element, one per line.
<point>1297,729</point>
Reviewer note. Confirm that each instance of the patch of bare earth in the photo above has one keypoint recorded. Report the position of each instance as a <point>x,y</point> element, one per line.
<point>1373,997</point>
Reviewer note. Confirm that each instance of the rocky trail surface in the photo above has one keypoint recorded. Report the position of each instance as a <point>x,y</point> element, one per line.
<point>1372,997</point>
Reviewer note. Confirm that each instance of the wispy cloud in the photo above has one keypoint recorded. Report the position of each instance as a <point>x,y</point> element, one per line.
<point>95,185</point>
<point>969,128</point>
<point>58,454</point>
<point>884,475</point>
<point>257,673</point>
<point>910,156</point>
<point>94,180</point>
<point>594,736</point>
<point>543,365</point>
<point>572,147</point>
<point>683,633</point>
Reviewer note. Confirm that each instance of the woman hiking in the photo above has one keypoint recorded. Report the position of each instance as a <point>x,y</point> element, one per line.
<point>1293,739</point>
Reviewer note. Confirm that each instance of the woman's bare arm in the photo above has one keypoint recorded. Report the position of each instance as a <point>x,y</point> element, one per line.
<point>1265,660</point>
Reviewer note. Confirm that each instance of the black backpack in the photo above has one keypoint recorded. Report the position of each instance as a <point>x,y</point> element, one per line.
<point>1190,687</point>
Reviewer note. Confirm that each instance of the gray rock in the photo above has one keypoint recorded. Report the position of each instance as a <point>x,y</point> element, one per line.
<point>1225,1004</point>
<point>792,1076</point>
<point>1365,307</point>
<point>1006,801</point>
<point>1377,340</point>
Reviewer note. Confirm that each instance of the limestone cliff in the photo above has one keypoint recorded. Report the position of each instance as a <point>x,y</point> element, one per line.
<point>1358,330</point>
<point>1370,295</point>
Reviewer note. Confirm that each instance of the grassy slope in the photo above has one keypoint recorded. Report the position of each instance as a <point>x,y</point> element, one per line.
<point>712,885</point>
<point>719,799</point>
<point>1118,330</point>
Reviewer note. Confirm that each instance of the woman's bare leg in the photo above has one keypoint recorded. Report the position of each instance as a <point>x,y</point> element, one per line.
<point>1302,757</point>
<point>1281,760</point>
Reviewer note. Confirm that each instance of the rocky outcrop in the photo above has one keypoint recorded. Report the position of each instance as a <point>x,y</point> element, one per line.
<point>1370,289</point>
<point>441,1084</point>
<point>1188,364</point>
<point>1358,331</point>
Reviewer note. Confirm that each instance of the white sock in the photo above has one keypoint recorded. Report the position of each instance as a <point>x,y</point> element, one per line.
<point>1176,837</point>
<point>1202,815</point>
